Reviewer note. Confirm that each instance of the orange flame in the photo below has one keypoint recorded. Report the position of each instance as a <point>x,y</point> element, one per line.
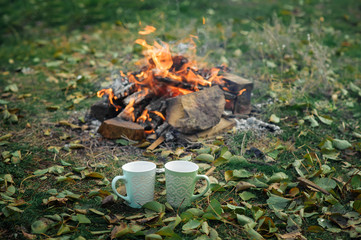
<point>144,117</point>
<point>111,96</point>
<point>147,30</point>
<point>129,110</point>
<point>158,114</point>
<point>241,91</point>
<point>147,132</point>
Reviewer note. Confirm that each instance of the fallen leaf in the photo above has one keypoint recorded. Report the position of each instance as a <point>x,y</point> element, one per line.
<point>247,195</point>
<point>205,157</point>
<point>274,119</point>
<point>341,144</point>
<point>192,224</point>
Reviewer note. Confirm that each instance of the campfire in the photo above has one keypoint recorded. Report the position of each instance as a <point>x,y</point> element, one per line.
<point>170,92</point>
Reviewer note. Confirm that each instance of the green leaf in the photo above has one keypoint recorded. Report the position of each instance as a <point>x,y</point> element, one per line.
<point>325,119</point>
<point>247,195</point>
<point>39,227</point>
<point>10,190</point>
<point>341,144</point>
<point>96,212</point>
<point>326,145</point>
<point>122,142</point>
<point>274,119</point>
<point>257,183</point>
<point>243,219</point>
<point>192,224</point>
<point>4,102</point>
<point>195,212</point>
<point>55,217</point>
<point>64,229</point>
<point>175,223</point>
<point>242,173</point>
<point>220,161</point>
<point>205,228</point>
<point>357,206</point>
<point>65,163</point>
<point>215,187</point>
<point>215,207</point>
<point>154,206</point>
<point>54,149</point>
<point>166,231</point>
<point>83,219</point>
<point>312,120</point>
<point>203,150</point>
<point>153,236</point>
<point>277,203</point>
<point>326,183</point>
<point>41,172</point>
<point>54,63</point>
<point>356,182</point>
<point>253,234</point>
<point>205,157</point>
<point>78,169</point>
<point>278,177</point>
<point>56,169</point>
<point>237,159</point>
<point>11,88</point>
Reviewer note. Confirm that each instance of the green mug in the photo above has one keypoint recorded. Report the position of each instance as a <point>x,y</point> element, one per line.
<point>180,179</point>
<point>139,178</point>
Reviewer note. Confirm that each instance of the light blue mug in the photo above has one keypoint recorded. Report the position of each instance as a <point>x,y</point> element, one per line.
<point>139,178</point>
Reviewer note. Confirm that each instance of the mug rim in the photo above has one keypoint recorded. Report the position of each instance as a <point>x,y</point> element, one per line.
<point>139,166</point>
<point>181,166</point>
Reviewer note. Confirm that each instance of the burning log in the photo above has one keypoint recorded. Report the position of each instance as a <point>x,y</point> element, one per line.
<point>116,128</point>
<point>235,84</point>
<point>196,111</point>
<point>102,110</point>
<point>125,90</point>
<point>178,84</point>
<point>138,97</point>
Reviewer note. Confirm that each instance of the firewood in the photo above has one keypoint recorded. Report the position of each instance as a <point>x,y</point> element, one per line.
<point>162,128</point>
<point>222,126</point>
<point>103,110</point>
<point>179,84</point>
<point>116,128</point>
<point>242,104</point>
<point>125,91</point>
<point>196,111</point>
<point>138,97</point>
<point>156,143</point>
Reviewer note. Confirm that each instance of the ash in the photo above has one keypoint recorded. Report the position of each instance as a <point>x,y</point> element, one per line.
<point>254,124</point>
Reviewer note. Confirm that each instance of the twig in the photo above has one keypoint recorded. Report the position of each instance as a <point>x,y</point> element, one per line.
<point>210,171</point>
<point>312,184</point>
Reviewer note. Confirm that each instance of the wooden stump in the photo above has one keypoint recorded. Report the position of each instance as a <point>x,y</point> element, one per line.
<point>116,128</point>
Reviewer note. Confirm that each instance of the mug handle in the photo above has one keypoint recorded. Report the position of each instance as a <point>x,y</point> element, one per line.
<point>205,190</point>
<point>126,198</point>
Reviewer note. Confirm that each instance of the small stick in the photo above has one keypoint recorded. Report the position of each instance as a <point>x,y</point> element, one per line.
<point>156,143</point>
<point>312,184</point>
<point>210,171</point>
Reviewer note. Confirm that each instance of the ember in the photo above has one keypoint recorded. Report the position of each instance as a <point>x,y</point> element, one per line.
<point>141,96</point>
